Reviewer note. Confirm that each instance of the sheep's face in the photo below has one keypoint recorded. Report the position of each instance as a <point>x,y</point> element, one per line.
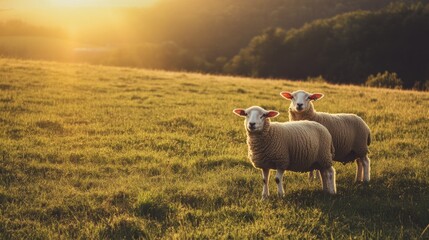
<point>255,117</point>
<point>300,100</point>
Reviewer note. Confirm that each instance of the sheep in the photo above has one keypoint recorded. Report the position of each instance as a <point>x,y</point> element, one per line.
<point>295,146</point>
<point>350,134</point>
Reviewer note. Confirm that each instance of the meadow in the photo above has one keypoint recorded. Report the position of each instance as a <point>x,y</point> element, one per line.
<point>93,152</point>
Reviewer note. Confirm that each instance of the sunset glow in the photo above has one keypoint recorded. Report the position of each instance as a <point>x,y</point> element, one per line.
<point>21,4</point>
<point>98,3</point>
<point>84,21</point>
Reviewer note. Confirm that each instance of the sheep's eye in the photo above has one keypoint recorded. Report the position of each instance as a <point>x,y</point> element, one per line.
<point>263,115</point>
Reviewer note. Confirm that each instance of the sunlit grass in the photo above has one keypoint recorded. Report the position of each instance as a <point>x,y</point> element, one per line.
<point>98,152</point>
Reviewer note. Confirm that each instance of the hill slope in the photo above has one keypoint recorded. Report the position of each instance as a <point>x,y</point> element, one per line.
<point>99,152</point>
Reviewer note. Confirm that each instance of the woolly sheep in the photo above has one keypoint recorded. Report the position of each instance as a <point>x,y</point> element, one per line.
<point>297,146</point>
<point>350,134</point>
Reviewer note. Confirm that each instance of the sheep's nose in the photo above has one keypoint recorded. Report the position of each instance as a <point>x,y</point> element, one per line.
<point>299,105</point>
<point>252,124</point>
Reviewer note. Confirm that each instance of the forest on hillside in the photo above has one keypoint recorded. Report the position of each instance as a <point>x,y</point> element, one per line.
<point>344,49</point>
<point>342,41</point>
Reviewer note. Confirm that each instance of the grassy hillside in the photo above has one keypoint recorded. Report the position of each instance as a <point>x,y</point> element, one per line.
<point>95,152</point>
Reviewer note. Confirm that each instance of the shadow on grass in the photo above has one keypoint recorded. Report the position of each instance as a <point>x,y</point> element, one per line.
<point>154,207</point>
<point>393,200</point>
<point>125,227</point>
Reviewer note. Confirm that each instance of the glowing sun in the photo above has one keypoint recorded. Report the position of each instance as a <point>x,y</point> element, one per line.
<point>99,3</point>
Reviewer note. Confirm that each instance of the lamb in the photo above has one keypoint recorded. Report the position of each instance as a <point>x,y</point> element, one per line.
<point>295,146</point>
<point>350,134</point>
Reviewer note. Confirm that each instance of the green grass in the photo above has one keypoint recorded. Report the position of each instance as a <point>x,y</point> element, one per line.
<point>91,152</point>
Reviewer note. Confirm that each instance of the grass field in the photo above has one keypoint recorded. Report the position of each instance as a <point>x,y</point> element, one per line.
<point>92,152</point>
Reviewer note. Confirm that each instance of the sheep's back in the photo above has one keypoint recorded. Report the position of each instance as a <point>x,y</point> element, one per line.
<point>349,135</point>
<point>305,145</point>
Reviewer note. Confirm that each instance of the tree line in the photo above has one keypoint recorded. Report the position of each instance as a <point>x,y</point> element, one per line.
<point>344,49</point>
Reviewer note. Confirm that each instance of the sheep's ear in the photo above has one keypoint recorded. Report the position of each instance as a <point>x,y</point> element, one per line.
<point>286,95</point>
<point>316,96</point>
<point>271,114</point>
<point>240,112</point>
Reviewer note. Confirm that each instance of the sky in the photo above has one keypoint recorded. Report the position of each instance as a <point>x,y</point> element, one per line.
<point>26,4</point>
<point>77,18</point>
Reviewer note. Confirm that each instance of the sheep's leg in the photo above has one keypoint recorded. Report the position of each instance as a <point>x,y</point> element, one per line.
<point>324,179</point>
<point>314,174</point>
<point>279,181</point>
<point>265,179</point>
<point>359,170</point>
<point>328,180</point>
<point>318,175</point>
<point>366,163</point>
<point>311,175</point>
<point>332,186</point>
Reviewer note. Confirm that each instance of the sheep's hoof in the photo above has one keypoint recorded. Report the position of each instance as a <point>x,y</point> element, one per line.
<point>363,183</point>
<point>264,197</point>
<point>329,192</point>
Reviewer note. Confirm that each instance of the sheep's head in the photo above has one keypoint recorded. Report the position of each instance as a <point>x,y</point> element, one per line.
<point>255,117</point>
<point>300,100</point>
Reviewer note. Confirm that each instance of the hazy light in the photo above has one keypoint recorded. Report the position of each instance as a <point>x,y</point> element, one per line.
<point>100,3</point>
<point>74,3</point>
<point>92,49</point>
